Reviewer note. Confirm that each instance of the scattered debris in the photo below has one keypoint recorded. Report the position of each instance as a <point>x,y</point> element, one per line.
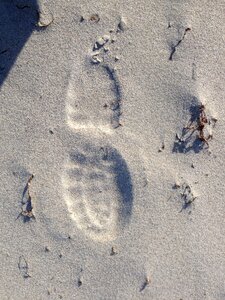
<point>101,42</point>
<point>80,280</point>
<point>187,196</point>
<point>173,50</point>
<point>51,131</point>
<point>100,56</point>
<point>200,122</point>
<point>145,284</point>
<point>47,249</point>
<point>184,194</point>
<point>23,267</point>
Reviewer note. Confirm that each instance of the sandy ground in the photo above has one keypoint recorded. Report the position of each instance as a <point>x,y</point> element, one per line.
<point>112,150</point>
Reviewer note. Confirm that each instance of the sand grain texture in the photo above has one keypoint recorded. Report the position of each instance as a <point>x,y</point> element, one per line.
<point>103,102</point>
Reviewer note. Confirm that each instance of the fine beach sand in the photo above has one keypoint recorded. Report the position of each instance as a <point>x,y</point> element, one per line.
<point>112,162</point>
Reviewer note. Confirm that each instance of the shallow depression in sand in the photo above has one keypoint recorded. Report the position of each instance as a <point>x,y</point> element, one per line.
<point>97,189</point>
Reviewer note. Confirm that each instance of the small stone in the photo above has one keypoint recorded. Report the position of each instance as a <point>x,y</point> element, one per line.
<point>79,282</point>
<point>101,42</point>
<point>122,26</point>
<point>47,249</point>
<point>116,58</point>
<point>106,49</point>
<point>176,185</point>
<point>113,251</point>
<point>95,59</point>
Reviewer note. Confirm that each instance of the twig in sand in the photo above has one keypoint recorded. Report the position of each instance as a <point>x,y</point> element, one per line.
<point>22,6</point>
<point>173,50</point>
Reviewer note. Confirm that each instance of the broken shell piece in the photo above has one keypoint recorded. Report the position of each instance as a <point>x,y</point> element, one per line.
<point>44,19</point>
<point>95,59</point>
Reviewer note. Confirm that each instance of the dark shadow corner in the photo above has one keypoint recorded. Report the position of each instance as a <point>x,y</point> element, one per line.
<point>18,20</point>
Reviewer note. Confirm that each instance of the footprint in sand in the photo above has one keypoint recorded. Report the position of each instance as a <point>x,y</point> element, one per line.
<point>98,190</point>
<point>97,185</point>
<point>94,99</point>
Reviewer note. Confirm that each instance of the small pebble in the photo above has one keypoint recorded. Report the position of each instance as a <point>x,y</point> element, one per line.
<point>106,49</point>
<point>94,18</point>
<point>47,249</point>
<point>113,251</point>
<point>122,26</point>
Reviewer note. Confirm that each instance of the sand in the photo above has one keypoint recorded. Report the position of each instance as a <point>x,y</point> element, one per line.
<point>112,150</point>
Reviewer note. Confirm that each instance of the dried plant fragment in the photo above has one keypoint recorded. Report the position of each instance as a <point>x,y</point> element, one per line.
<point>27,207</point>
<point>23,267</point>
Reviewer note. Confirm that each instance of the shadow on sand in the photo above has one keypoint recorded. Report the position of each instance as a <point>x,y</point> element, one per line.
<point>18,20</point>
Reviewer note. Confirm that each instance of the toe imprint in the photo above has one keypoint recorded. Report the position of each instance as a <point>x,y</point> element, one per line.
<point>98,191</point>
